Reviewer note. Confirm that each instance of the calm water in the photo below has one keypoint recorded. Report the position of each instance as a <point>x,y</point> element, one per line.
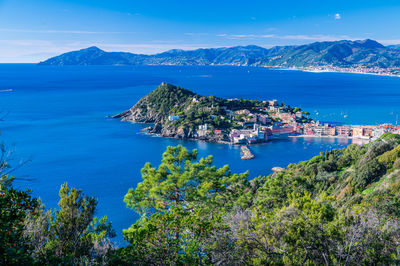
<point>56,121</point>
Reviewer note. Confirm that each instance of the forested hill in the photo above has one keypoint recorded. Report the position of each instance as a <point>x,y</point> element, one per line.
<point>362,53</point>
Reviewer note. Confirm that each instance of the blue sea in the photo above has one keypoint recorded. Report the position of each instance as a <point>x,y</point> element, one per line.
<point>55,120</point>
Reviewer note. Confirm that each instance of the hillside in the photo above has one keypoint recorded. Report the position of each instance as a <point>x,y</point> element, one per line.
<point>341,207</point>
<point>344,54</point>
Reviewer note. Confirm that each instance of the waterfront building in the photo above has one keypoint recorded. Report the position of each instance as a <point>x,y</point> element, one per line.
<point>331,131</point>
<point>368,132</point>
<point>358,132</point>
<point>319,130</point>
<point>343,130</point>
<point>247,136</point>
<point>309,131</point>
<point>282,130</point>
<point>203,127</point>
<point>202,131</point>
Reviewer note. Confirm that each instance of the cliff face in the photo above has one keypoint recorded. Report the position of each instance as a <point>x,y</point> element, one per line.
<point>139,114</point>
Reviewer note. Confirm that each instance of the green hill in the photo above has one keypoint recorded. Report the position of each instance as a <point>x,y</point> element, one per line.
<point>341,207</point>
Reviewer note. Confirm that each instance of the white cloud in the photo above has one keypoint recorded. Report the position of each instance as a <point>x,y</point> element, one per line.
<point>288,37</point>
<point>338,16</point>
<point>65,31</point>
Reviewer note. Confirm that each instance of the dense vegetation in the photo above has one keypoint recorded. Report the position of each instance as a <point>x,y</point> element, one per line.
<point>341,207</point>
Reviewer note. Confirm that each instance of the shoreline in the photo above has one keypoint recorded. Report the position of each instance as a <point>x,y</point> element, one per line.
<point>270,138</point>
<point>305,69</point>
<point>332,137</point>
<point>197,139</point>
<point>332,71</point>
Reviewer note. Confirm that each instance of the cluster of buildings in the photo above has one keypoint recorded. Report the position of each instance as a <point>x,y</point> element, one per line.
<point>355,131</point>
<point>394,71</point>
<point>260,123</point>
<point>261,133</point>
<point>265,122</point>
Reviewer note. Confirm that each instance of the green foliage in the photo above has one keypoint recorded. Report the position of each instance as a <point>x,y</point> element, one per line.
<point>71,234</point>
<point>166,98</point>
<point>391,137</point>
<point>303,229</point>
<point>310,213</point>
<point>388,158</point>
<point>181,201</point>
<point>14,207</point>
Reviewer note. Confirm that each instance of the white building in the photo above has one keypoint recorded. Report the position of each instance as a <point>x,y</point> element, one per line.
<point>173,117</point>
<point>203,127</point>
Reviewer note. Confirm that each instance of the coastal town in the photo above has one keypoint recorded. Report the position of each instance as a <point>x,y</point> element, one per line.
<point>175,112</point>
<point>387,71</point>
<point>275,121</point>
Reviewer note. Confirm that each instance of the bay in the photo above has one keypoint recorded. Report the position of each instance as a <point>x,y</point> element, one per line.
<point>56,122</point>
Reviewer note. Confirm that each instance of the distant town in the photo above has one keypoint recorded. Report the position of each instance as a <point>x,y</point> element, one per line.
<point>387,71</point>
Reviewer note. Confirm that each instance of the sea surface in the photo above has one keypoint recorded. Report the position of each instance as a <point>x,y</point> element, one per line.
<point>55,120</point>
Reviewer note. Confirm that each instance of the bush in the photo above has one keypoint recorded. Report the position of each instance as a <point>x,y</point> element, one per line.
<point>367,172</point>
<point>388,158</point>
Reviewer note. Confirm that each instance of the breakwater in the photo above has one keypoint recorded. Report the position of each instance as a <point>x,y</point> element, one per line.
<point>247,155</point>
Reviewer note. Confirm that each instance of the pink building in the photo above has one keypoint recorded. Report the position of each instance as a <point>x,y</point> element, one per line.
<point>343,130</point>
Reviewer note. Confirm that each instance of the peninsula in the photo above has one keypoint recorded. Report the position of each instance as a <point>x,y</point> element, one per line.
<point>179,113</point>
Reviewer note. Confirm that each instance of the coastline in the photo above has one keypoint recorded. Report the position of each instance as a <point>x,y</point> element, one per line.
<point>195,139</point>
<point>340,70</point>
<point>366,140</point>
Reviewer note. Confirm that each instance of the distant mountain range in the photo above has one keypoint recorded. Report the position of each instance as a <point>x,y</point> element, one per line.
<point>343,54</point>
<point>396,46</point>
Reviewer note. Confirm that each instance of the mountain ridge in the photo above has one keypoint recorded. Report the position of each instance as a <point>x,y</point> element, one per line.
<point>344,54</point>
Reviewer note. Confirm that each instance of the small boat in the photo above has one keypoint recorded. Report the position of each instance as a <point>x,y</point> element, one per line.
<point>6,90</point>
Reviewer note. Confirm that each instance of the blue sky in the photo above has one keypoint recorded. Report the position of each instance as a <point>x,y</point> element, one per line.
<point>33,30</point>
